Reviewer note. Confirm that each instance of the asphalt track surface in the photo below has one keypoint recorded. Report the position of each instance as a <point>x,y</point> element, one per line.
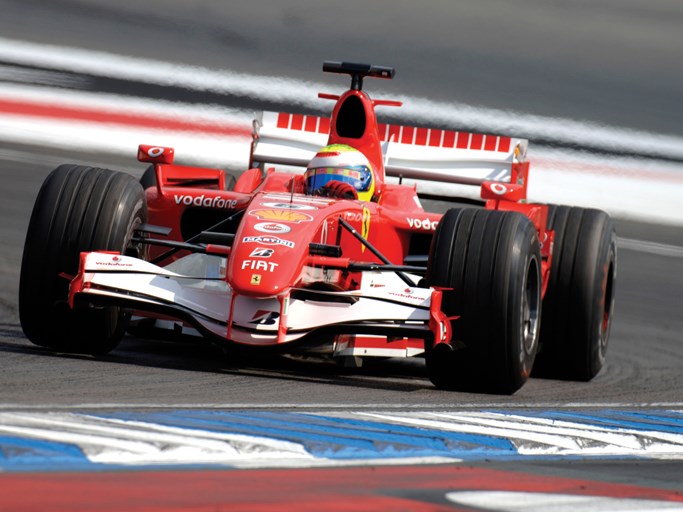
<point>618,66</point>
<point>643,367</point>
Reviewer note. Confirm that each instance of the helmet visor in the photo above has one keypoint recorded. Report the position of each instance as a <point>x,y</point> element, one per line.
<point>358,176</point>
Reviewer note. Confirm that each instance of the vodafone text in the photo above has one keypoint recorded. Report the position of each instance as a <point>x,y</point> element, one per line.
<point>206,202</point>
<point>423,224</point>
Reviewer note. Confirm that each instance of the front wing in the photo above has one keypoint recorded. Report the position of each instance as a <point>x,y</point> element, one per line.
<point>382,306</point>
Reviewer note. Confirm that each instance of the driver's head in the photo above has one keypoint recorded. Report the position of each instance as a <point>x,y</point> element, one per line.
<point>339,162</point>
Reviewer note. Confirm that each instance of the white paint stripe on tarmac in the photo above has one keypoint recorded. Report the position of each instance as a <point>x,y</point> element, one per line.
<point>676,407</point>
<point>518,501</point>
<point>417,110</point>
<point>673,251</point>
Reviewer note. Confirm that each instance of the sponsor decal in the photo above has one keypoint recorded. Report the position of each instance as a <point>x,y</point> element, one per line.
<point>406,294</point>
<point>205,202</point>
<point>115,262</point>
<point>268,240</point>
<point>255,279</point>
<point>263,317</point>
<point>498,188</point>
<point>307,200</point>
<point>429,225</point>
<point>155,152</point>
<point>410,294</point>
<point>290,206</point>
<point>365,226</point>
<point>281,215</point>
<point>267,266</point>
<point>271,227</point>
<point>352,216</point>
<point>362,216</point>
<point>262,252</point>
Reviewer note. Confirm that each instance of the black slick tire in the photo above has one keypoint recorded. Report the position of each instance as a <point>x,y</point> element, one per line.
<point>491,261</point>
<point>579,303</point>
<point>78,209</point>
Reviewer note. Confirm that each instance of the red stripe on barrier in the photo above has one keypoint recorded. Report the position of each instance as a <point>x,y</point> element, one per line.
<point>490,142</point>
<point>50,111</point>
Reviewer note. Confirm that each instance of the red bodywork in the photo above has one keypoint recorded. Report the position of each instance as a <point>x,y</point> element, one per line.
<point>271,254</point>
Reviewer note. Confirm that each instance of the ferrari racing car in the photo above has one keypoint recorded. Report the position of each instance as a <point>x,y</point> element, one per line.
<point>323,243</point>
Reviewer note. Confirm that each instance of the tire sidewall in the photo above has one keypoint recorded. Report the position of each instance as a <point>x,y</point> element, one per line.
<point>528,262</point>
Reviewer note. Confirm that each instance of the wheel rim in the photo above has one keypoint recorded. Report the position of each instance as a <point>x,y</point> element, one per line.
<point>607,305</point>
<point>531,302</point>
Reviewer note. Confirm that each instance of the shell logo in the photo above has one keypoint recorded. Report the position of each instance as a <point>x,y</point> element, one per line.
<point>281,215</point>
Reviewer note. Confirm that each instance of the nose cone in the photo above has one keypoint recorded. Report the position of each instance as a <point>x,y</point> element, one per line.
<point>263,264</point>
<point>271,246</point>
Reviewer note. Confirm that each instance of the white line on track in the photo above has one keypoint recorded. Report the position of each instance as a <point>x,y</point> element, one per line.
<point>674,251</point>
<point>520,501</point>
<point>350,406</point>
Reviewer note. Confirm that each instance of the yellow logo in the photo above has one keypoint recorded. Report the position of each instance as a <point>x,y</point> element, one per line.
<point>281,215</point>
<point>365,226</point>
<point>256,279</point>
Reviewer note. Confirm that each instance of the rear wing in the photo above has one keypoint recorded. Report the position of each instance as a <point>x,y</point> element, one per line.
<point>421,154</point>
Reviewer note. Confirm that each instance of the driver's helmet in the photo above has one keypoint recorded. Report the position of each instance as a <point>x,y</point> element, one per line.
<point>339,162</point>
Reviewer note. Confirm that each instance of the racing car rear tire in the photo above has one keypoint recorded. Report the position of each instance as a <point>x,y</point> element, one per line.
<point>579,303</point>
<point>490,262</point>
<point>78,209</point>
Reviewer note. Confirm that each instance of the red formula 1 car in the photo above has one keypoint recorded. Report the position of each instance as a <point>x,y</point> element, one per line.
<point>333,255</point>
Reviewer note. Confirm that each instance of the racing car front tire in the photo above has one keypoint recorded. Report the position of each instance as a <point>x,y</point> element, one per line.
<point>78,209</point>
<point>489,262</point>
<point>579,302</point>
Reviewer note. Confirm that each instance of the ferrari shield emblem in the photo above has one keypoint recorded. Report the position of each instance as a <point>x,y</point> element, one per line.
<point>365,226</point>
<point>256,279</point>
